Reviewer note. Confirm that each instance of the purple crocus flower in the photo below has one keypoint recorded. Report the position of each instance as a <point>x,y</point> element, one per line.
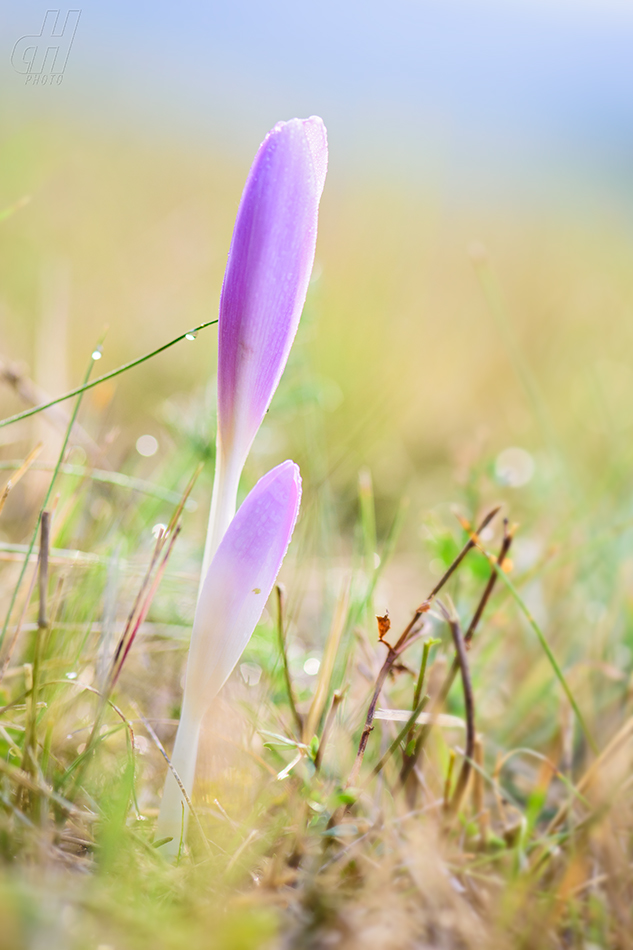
<point>264,290</point>
<point>233,596</point>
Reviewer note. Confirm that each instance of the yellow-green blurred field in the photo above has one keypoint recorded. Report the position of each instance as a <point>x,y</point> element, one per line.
<point>453,357</point>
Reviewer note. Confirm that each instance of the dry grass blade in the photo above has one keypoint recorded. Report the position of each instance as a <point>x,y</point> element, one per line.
<point>327,665</point>
<point>17,475</point>
<point>469,702</point>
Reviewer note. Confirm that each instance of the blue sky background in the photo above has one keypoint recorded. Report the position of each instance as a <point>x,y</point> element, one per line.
<point>472,92</point>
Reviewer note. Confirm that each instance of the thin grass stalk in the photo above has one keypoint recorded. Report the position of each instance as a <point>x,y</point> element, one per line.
<point>284,661</point>
<point>27,413</point>
<point>469,703</point>
<point>49,492</point>
<point>29,751</point>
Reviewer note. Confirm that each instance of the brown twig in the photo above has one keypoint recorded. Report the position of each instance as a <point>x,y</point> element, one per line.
<point>405,640</point>
<point>485,597</point>
<point>122,652</point>
<point>424,606</point>
<point>472,627</point>
<point>284,659</point>
<point>33,395</point>
<point>136,617</point>
<point>469,703</point>
<point>18,474</point>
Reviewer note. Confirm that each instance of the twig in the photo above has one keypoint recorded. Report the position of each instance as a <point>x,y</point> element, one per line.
<point>125,644</point>
<point>404,641</point>
<point>149,587</point>
<point>440,699</point>
<point>393,654</point>
<point>508,536</point>
<point>20,470</point>
<point>469,703</point>
<point>57,417</point>
<point>470,544</point>
<point>284,659</point>
<point>382,676</point>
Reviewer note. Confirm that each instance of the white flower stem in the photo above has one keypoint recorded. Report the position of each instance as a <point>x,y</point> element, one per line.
<point>174,811</point>
<point>223,504</point>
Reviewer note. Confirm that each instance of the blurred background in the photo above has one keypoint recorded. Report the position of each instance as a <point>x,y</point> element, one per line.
<point>468,332</point>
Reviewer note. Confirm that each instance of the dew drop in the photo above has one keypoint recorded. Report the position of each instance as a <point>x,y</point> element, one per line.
<point>97,354</point>
<point>190,336</point>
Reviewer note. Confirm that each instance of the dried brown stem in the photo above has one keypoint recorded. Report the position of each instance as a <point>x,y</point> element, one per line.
<point>508,535</point>
<point>405,640</point>
<point>116,670</point>
<point>33,395</point>
<point>382,676</point>
<point>424,606</point>
<point>474,623</point>
<point>469,703</point>
<point>472,627</point>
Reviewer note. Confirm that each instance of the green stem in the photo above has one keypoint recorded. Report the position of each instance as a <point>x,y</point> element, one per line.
<point>401,737</point>
<point>425,657</point>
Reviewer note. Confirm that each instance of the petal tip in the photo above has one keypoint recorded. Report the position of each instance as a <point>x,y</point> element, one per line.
<point>316,135</point>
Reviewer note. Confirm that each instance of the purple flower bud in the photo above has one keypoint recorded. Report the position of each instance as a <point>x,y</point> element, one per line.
<point>233,596</point>
<point>264,290</point>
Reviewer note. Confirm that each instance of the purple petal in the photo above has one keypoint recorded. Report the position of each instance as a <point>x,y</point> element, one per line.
<point>239,581</point>
<point>267,275</point>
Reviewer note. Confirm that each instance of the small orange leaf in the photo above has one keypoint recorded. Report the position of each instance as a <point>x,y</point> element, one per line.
<point>384,624</point>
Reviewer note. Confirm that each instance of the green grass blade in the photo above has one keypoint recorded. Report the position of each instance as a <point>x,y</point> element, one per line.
<point>101,379</point>
<point>546,649</point>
